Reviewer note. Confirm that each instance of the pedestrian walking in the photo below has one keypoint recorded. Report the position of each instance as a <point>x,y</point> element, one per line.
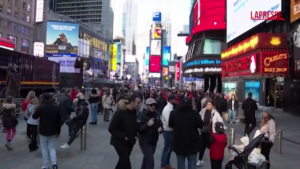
<point>32,124</point>
<point>94,99</point>
<point>107,102</point>
<point>249,106</point>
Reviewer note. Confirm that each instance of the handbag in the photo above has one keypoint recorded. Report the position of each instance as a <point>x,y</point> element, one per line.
<point>206,129</point>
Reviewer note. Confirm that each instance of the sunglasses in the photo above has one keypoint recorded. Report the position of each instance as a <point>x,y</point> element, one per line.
<point>151,105</point>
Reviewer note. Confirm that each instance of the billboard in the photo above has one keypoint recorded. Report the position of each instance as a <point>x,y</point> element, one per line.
<point>166,55</point>
<point>147,56</point>
<point>118,52</point>
<point>155,47</point>
<point>208,15</point>
<point>38,49</point>
<point>113,57</point>
<point>177,69</point>
<point>156,16</point>
<point>39,11</point>
<point>165,71</point>
<point>156,32</point>
<point>239,13</point>
<point>66,64</point>
<point>91,46</point>
<point>155,64</point>
<point>295,10</point>
<point>62,39</point>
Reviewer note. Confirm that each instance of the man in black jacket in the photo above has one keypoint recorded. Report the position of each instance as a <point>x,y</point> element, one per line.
<point>124,132</point>
<point>149,127</point>
<point>161,103</point>
<point>49,128</point>
<point>249,106</point>
<point>82,114</point>
<point>66,108</point>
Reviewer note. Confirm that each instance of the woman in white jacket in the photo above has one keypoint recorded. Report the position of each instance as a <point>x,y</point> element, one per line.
<point>210,116</point>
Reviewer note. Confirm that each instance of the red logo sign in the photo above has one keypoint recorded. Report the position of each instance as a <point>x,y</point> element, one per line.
<point>240,66</point>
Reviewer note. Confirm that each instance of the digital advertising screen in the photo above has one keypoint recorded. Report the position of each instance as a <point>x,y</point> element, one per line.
<point>113,57</point>
<point>118,52</point>
<point>147,56</point>
<point>91,46</point>
<point>62,39</point>
<point>239,15</point>
<point>155,64</point>
<point>254,88</point>
<point>177,67</point>
<point>66,64</point>
<point>166,55</point>
<point>165,71</point>
<point>157,32</point>
<point>155,47</point>
<point>229,88</point>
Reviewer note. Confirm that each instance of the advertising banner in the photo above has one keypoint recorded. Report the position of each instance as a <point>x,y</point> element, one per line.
<point>147,56</point>
<point>239,15</point>
<point>171,68</point>
<point>118,53</point>
<point>156,16</point>
<point>62,39</point>
<point>113,57</point>
<point>155,64</point>
<point>295,10</point>
<point>7,44</point>
<point>166,55</point>
<point>254,88</point>
<point>38,49</point>
<point>155,47</point>
<point>275,62</point>
<point>199,62</point>
<point>177,74</point>
<point>165,71</point>
<point>66,64</point>
<point>90,46</point>
<point>156,32</point>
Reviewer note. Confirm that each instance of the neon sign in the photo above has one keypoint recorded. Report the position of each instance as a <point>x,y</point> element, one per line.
<point>269,60</point>
<point>200,70</point>
<point>241,64</point>
<point>203,62</point>
<point>258,41</point>
<point>277,63</point>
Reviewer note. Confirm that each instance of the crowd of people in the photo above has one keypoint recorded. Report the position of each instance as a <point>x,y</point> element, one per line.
<point>190,123</point>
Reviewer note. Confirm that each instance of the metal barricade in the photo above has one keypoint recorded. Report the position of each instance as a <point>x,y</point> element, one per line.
<point>18,102</point>
<point>83,138</point>
<point>231,137</point>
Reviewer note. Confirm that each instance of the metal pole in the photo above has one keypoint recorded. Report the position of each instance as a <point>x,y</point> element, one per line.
<point>231,137</point>
<point>279,146</point>
<point>83,138</point>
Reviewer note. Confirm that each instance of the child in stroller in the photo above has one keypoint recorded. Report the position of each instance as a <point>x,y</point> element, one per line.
<point>241,160</point>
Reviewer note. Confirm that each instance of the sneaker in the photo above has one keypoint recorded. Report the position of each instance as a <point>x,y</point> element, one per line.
<point>55,166</point>
<point>28,139</point>
<point>199,163</point>
<point>8,146</point>
<point>65,146</point>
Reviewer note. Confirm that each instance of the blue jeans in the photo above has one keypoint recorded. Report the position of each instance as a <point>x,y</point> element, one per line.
<point>166,153</point>
<point>231,115</point>
<point>47,145</point>
<point>192,159</point>
<point>94,107</point>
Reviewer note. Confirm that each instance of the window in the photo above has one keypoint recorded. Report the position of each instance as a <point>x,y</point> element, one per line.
<point>25,42</point>
<point>27,19</point>
<point>22,29</point>
<point>26,31</point>
<point>28,8</point>
<point>16,14</point>
<point>9,24</point>
<point>16,2</point>
<point>1,8</point>
<point>15,27</point>
<point>8,11</point>
<point>23,17</point>
<point>13,38</point>
<point>24,5</point>
<point>212,46</point>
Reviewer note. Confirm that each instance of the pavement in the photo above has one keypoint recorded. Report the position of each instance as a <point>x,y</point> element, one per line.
<point>101,155</point>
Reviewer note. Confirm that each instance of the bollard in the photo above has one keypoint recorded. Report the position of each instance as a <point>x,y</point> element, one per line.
<point>231,137</point>
<point>83,138</point>
<point>279,146</point>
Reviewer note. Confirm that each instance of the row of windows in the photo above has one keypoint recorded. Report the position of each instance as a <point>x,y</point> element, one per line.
<point>95,9</point>
<point>25,5</point>
<point>15,14</point>
<point>9,25</point>
<point>78,5</point>
<point>71,1</point>
<point>25,42</point>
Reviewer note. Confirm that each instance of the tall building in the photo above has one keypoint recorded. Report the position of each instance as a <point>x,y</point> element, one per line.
<point>98,13</point>
<point>117,6</point>
<point>132,67</point>
<point>130,14</point>
<point>142,41</point>
<point>167,25</point>
<point>17,23</point>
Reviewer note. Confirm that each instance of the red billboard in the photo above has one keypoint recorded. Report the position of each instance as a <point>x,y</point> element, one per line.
<point>177,68</point>
<point>154,64</point>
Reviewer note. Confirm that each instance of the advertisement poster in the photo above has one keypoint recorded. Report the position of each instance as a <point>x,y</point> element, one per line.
<point>166,55</point>
<point>155,47</point>
<point>155,65</point>
<point>147,56</point>
<point>254,88</point>
<point>157,32</point>
<point>66,64</point>
<point>113,57</point>
<point>90,46</point>
<point>119,53</point>
<point>62,39</point>
<point>177,67</point>
<point>229,88</point>
<point>165,71</point>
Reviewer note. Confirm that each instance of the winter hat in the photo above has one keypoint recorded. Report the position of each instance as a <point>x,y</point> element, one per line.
<point>269,110</point>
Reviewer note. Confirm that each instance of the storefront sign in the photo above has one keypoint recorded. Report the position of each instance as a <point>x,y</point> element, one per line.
<point>258,41</point>
<point>203,62</point>
<point>200,70</point>
<point>172,69</point>
<point>276,63</point>
<point>247,63</point>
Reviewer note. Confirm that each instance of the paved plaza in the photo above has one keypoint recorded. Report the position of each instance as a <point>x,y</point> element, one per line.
<point>101,155</point>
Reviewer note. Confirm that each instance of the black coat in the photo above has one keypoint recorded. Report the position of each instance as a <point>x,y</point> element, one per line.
<point>229,105</point>
<point>82,113</point>
<point>123,125</point>
<point>148,134</point>
<point>185,123</point>
<point>9,118</point>
<point>249,106</point>
<point>65,105</point>
<point>161,103</point>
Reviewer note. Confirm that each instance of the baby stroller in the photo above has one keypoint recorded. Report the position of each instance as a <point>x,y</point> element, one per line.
<point>241,160</point>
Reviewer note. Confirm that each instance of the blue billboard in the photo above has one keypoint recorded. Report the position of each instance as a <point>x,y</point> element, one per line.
<point>203,62</point>
<point>118,53</point>
<point>166,55</point>
<point>147,56</point>
<point>156,16</point>
<point>62,39</point>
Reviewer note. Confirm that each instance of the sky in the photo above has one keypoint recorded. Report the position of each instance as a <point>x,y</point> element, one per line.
<point>177,10</point>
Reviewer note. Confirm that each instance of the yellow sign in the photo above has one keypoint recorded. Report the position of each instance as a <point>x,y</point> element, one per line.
<point>269,60</point>
<point>114,57</point>
<point>275,41</point>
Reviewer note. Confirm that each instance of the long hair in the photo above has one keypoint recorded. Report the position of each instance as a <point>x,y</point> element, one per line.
<point>30,95</point>
<point>266,119</point>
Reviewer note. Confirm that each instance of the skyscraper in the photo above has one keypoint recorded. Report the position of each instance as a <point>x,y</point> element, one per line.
<point>98,14</point>
<point>117,6</point>
<point>167,25</point>
<point>130,14</point>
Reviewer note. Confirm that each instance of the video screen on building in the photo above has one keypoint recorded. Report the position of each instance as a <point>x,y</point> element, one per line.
<point>155,64</point>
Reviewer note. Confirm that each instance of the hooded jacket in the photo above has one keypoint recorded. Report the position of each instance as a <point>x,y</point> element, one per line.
<point>82,110</point>
<point>217,147</point>
<point>9,118</point>
<point>216,117</point>
<point>148,134</point>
